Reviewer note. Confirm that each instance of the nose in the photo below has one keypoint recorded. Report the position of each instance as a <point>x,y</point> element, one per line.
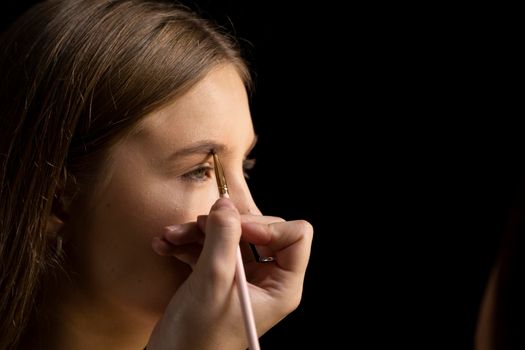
<point>242,197</point>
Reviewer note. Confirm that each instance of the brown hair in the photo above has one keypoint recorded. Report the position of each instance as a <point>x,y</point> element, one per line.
<point>76,76</point>
<point>508,320</point>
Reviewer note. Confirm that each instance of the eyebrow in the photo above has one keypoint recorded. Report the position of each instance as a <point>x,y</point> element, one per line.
<point>202,147</point>
<point>205,147</point>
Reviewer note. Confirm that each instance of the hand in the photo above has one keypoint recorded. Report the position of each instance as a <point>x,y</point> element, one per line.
<point>205,312</point>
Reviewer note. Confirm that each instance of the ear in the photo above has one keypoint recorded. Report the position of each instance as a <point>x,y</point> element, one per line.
<point>57,217</point>
<point>54,225</point>
<point>59,210</point>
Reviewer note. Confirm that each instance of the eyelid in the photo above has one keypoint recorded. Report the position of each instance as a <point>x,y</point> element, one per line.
<point>199,166</point>
<point>191,174</point>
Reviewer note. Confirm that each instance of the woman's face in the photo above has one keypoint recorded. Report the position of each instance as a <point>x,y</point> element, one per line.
<point>160,176</point>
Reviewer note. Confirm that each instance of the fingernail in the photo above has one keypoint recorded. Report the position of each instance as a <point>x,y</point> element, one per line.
<point>174,228</point>
<point>201,221</point>
<point>224,203</point>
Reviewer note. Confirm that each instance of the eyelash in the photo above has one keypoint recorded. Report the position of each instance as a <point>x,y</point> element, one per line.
<point>204,172</point>
<point>200,174</point>
<point>247,165</point>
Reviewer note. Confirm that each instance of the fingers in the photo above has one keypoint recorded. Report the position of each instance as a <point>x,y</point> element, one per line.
<point>184,242</point>
<point>266,219</point>
<point>161,247</point>
<point>201,220</point>
<point>187,253</point>
<point>254,237</point>
<point>216,258</point>
<point>223,232</point>
<point>183,234</point>
<point>262,252</point>
<point>289,241</point>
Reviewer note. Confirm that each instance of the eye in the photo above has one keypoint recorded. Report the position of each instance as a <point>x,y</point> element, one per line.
<point>200,174</point>
<point>247,165</point>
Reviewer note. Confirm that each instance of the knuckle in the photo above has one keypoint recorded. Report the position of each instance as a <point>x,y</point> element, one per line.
<point>262,219</point>
<point>217,274</point>
<point>225,218</point>
<point>275,219</point>
<point>305,227</point>
<point>292,303</point>
<point>295,302</point>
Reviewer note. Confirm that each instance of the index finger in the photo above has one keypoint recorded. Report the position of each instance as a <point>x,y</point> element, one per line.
<point>290,242</point>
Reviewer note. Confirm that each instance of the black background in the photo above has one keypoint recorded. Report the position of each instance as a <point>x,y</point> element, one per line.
<point>396,132</point>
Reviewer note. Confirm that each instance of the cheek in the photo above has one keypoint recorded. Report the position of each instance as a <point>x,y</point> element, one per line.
<point>148,206</point>
<point>165,204</point>
<point>113,244</point>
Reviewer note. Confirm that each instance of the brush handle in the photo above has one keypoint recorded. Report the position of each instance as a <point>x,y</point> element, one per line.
<point>246,305</point>
<point>244,297</point>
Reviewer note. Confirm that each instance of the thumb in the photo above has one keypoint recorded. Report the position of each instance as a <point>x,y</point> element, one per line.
<point>223,232</point>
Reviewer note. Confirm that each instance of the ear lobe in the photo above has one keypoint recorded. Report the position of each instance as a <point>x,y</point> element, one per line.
<point>54,225</point>
<point>57,217</point>
<point>62,199</point>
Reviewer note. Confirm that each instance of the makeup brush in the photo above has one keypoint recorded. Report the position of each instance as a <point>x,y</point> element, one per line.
<point>240,275</point>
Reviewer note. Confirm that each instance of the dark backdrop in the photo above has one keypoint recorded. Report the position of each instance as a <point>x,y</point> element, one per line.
<point>395,131</point>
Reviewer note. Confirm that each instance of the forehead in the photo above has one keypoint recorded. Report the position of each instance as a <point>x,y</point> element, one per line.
<point>215,108</point>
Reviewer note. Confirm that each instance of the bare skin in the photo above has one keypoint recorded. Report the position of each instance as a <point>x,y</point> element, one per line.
<point>134,279</point>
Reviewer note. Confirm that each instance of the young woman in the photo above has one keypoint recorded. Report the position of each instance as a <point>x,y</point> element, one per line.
<point>111,234</point>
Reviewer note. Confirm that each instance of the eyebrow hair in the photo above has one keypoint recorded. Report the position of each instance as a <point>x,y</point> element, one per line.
<point>201,147</point>
<point>205,147</point>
